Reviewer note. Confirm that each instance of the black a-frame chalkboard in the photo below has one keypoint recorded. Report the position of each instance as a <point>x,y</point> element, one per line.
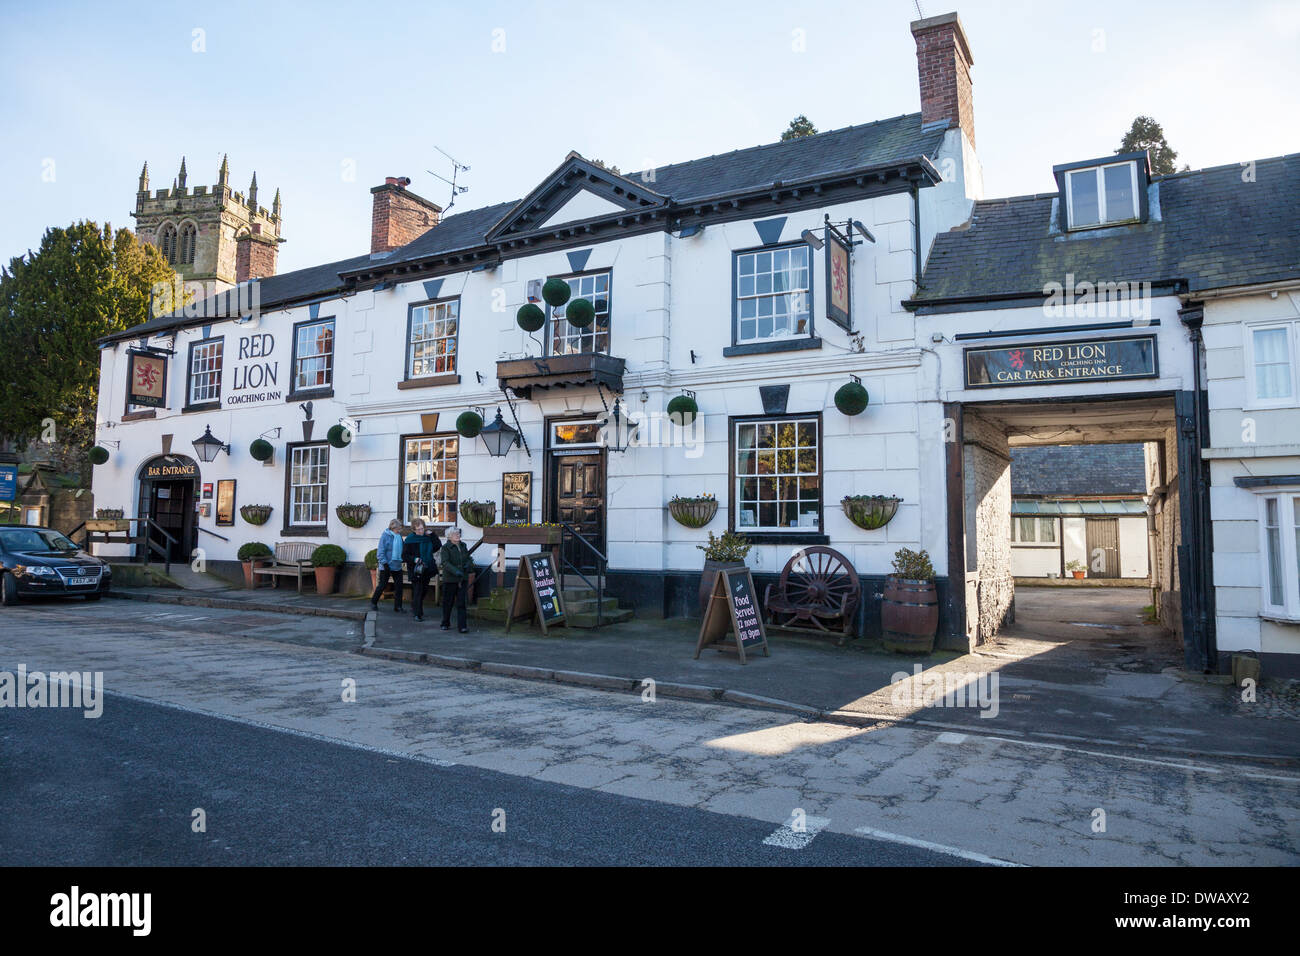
<point>537,592</point>
<point>732,613</point>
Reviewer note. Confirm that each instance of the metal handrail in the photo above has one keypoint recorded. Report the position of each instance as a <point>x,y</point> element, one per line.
<point>141,536</point>
<point>213,533</point>
<point>602,567</point>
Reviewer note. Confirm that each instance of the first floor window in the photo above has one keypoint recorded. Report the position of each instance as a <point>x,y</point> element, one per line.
<point>1281,554</point>
<point>778,474</point>
<point>309,467</point>
<point>566,338</point>
<point>429,473</point>
<point>432,346</point>
<point>205,371</point>
<point>1273,374</point>
<point>313,355</point>
<point>773,294</point>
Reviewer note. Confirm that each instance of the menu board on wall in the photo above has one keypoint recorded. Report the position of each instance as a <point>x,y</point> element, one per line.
<point>516,497</point>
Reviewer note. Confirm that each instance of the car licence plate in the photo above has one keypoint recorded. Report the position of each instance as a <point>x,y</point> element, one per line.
<point>80,581</point>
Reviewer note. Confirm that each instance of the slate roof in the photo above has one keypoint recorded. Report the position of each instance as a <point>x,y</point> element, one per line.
<point>882,143</point>
<point>1078,470</point>
<point>1208,227</point>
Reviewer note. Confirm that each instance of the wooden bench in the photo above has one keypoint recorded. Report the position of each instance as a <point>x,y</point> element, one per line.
<point>290,558</point>
<point>818,590</point>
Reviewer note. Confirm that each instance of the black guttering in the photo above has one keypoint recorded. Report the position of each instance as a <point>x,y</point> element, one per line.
<point>968,303</point>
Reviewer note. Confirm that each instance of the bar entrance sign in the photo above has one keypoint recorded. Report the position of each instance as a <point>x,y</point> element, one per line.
<point>537,592</point>
<point>732,615</point>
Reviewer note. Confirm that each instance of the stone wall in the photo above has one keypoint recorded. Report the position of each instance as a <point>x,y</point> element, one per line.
<point>987,469</point>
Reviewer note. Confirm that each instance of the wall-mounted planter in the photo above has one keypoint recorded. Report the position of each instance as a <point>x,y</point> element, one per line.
<point>693,512</point>
<point>870,512</point>
<point>682,410</point>
<point>255,514</point>
<point>354,516</point>
<point>479,513</point>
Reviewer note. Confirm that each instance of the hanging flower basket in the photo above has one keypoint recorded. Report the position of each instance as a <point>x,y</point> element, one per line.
<point>354,516</point>
<point>852,398</point>
<point>478,513</point>
<point>693,512</point>
<point>255,514</point>
<point>870,512</point>
<point>556,292</point>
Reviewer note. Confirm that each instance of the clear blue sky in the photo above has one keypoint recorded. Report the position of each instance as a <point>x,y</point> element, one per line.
<point>294,91</point>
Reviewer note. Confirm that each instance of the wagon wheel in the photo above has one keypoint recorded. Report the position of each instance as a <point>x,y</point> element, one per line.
<point>818,576</point>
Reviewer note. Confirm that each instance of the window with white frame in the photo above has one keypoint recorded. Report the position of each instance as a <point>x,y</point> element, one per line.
<point>567,339</point>
<point>773,294</point>
<point>309,473</point>
<point>778,474</point>
<point>1101,195</point>
<point>432,339</point>
<point>205,371</point>
<point>1272,351</point>
<point>1280,550</point>
<point>429,474</point>
<point>1030,530</point>
<point>313,355</point>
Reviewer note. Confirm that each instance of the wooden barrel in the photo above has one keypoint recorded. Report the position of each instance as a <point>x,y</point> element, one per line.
<point>909,615</point>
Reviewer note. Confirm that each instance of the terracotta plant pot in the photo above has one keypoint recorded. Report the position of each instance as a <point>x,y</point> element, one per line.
<point>711,569</point>
<point>1079,575</point>
<point>325,579</point>
<point>250,580</point>
<point>909,615</point>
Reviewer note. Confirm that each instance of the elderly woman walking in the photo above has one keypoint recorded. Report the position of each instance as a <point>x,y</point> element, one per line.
<point>420,547</point>
<point>457,566</point>
<point>389,557</point>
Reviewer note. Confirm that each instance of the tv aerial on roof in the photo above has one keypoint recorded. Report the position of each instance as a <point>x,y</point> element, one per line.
<point>457,168</point>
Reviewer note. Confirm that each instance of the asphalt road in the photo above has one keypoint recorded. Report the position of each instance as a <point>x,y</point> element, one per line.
<point>121,790</point>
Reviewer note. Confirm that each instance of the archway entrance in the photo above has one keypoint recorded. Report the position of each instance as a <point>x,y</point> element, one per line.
<point>169,492</point>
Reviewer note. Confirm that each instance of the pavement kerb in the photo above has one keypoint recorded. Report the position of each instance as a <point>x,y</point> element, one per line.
<point>196,600</point>
<point>861,719</point>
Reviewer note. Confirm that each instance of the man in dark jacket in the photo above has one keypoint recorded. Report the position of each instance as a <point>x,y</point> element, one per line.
<point>418,549</point>
<point>457,565</point>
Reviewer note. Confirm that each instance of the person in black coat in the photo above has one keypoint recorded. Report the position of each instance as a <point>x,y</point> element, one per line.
<point>418,550</point>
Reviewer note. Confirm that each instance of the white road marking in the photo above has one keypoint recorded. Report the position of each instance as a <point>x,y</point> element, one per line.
<point>951,738</point>
<point>935,847</point>
<point>788,838</point>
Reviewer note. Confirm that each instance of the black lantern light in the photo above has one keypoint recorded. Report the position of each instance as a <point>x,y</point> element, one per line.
<point>207,446</point>
<point>499,437</point>
<point>620,429</point>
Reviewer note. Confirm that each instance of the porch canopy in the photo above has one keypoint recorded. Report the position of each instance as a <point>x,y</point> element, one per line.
<point>561,371</point>
<point>1096,506</point>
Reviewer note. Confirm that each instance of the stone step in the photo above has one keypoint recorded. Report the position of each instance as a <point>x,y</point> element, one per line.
<point>588,605</point>
<point>588,620</point>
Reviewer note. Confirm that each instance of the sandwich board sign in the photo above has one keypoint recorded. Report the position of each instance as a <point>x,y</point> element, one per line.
<point>536,592</point>
<point>732,616</point>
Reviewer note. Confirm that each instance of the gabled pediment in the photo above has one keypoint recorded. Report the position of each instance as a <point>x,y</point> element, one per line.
<point>578,190</point>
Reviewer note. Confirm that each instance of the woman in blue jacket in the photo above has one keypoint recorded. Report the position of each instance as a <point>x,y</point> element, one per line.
<point>418,550</point>
<point>389,555</point>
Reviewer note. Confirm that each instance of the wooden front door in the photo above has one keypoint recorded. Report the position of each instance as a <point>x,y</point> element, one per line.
<point>578,498</point>
<point>1102,536</point>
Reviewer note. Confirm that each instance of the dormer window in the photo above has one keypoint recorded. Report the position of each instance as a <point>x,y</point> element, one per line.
<point>1099,193</point>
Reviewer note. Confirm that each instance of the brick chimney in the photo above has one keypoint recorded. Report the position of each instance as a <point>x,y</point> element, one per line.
<point>255,255</point>
<point>399,215</point>
<point>943,63</point>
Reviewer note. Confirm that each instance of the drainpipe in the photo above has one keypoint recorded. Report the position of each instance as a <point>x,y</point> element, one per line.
<point>1198,536</point>
<point>916,238</point>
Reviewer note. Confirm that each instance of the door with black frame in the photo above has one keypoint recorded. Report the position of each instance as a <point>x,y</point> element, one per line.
<point>578,499</point>
<point>171,506</point>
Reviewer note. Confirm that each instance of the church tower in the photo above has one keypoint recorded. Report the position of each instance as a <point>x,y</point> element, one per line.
<point>212,236</point>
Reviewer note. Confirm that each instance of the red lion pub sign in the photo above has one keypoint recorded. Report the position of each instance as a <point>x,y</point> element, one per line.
<point>148,379</point>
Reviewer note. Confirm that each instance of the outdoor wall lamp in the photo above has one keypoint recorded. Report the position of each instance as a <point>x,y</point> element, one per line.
<point>811,238</point>
<point>620,430</point>
<point>207,447</point>
<point>499,437</point>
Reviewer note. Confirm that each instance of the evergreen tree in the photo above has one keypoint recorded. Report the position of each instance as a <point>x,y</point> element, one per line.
<point>85,282</point>
<point>1146,133</point>
<point>799,127</point>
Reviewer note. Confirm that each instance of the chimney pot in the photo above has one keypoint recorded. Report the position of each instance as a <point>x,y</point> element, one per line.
<point>943,61</point>
<point>399,215</point>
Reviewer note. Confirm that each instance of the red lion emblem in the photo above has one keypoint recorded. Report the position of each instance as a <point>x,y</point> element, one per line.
<point>146,376</point>
<point>1018,358</point>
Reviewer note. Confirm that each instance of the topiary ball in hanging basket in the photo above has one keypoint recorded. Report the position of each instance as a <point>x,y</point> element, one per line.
<point>469,424</point>
<point>530,317</point>
<point>556,292</point>
<point>852,398</point>
<point>98,455</point>
<point>338,436</point>
<point>580,313</point>
<point>682,410</point>
<point>261,450</point>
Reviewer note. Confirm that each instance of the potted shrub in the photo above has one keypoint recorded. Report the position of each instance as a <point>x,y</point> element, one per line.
<point>478,513</point>
<point>693,512</point>
<point>1076,569</point>
<point>255,514</point>
<point>327,559</point>
<point>354,516</point>
<point>372,565</point>
<point>727,552</point>
<point>909,610</point>
<point>253,554</point>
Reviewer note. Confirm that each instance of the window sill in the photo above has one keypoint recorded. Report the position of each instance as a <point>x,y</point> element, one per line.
<point>805,536</point>
<point>429,381</point>
<point>1278,617</point>
<point>139,416</point>
<point>326,392</point>
<point>776,345</point>
<point>205,407</point>
<point>305,531</point>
